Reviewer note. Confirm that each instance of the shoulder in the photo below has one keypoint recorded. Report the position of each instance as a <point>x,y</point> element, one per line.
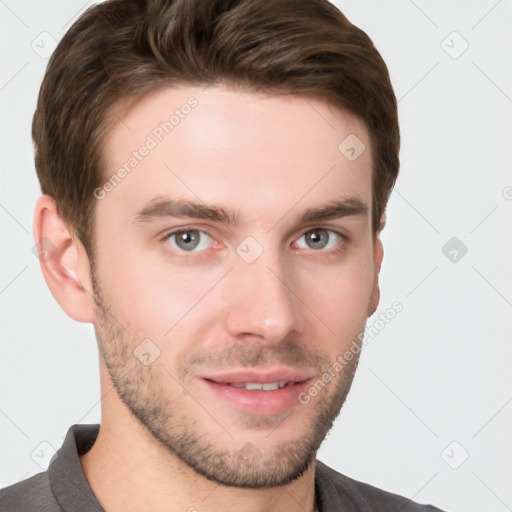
<point>33,494</point>
<point>366,497</point>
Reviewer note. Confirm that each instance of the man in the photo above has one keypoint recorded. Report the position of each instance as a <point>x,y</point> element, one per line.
<point>215,177</point>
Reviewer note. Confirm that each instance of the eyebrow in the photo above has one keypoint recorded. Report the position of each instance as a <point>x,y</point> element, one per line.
<point>167,207</point>
<point>336,209</point>
<point>173,207</point>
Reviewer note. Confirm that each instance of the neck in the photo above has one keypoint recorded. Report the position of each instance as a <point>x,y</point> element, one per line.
<point>129,470</point>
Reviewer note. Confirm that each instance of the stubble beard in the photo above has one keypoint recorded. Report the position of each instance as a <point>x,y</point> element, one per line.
<point>165,417</point>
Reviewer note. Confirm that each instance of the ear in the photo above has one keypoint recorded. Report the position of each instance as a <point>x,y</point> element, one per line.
<point>378,254</point>
<point>64,262</point>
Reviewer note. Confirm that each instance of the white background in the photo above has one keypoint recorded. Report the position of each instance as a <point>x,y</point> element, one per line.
<point>438,373</point>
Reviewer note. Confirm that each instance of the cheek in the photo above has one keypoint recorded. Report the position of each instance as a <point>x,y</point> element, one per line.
<point>340,294</point>
<point>128,283</point>
<point>151,297</point>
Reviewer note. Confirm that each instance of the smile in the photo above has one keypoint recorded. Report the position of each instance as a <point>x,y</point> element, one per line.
<point>253,386</point>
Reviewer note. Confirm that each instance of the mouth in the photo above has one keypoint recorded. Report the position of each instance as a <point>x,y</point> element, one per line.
<point>258,392</point>
<point>257,386</point>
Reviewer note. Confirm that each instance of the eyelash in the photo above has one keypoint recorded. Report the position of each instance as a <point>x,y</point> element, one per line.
<point>340,246</point>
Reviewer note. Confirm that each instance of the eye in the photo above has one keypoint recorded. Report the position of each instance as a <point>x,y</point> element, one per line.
<point>320,238</point>
<point>189,240</point>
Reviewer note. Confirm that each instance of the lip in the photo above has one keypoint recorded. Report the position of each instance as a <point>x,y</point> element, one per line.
<point>257,402</point>
<point>262,376</point>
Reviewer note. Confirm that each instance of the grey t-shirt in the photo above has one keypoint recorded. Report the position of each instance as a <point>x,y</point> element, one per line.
<point>64,488</point>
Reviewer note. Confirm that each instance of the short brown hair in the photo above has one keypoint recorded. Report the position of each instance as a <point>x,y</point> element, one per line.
<point>124,49</point>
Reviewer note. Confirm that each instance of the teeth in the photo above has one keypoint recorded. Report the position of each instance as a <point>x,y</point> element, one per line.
<point>268,386</point>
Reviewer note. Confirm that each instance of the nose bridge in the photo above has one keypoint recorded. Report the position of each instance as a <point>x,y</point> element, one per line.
<point>262,302</point>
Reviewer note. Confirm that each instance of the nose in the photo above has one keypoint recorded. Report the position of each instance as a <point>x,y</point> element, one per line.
<point>262,302</point>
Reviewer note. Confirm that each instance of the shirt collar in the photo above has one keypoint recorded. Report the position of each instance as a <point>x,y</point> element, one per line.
<point>73,492</point>
<point>67,479</point>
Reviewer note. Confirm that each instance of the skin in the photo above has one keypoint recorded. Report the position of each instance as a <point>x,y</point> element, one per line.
<point>166,442</point>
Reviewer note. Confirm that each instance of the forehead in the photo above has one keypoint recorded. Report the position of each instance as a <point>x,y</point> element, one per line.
<point>237,148</point>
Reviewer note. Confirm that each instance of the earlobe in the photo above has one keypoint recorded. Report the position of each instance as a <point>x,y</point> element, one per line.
<point>378,254</point>
<point>64,262</point>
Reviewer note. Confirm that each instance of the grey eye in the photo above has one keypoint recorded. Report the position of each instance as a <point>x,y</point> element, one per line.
<point>320,238</point>
<point>189,240</point>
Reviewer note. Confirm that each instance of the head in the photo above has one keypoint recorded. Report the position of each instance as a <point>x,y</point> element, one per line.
<point>215,178</point>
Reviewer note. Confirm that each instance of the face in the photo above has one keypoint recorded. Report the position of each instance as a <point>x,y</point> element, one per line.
<point>235,265</point>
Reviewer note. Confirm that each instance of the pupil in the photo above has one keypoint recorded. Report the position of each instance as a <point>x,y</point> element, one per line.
<point>187,240</point>
<point>318,238</point>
